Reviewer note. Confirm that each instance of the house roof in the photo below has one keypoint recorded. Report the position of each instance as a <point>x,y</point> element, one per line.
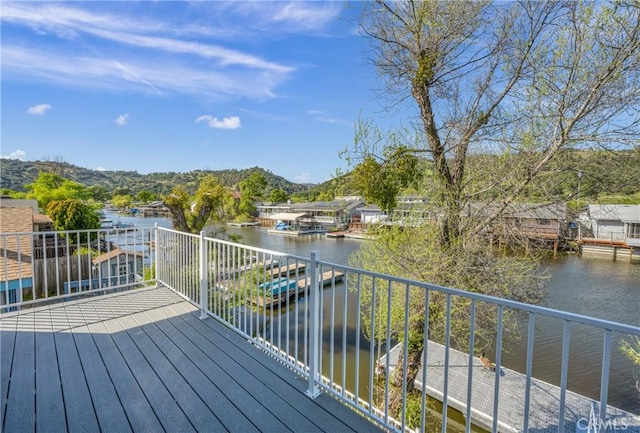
<point>287,216</point>
<point>114,254</point>
<point>628,213</point>
<point>39,218</point>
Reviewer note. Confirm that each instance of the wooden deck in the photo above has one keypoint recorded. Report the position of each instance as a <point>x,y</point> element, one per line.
<point>143,361</point>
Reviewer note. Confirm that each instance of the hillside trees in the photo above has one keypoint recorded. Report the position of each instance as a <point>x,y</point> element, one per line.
<point>524,82</point>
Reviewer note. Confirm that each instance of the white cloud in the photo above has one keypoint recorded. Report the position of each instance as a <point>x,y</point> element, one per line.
<point>231,122</point>
<point>38,110</point>
<point>302,178</point>
<point>101,169</point>
<point>16,154</point>
<point>122,119</point>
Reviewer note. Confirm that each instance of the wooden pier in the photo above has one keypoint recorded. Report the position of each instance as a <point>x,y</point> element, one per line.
<point>544,405</point>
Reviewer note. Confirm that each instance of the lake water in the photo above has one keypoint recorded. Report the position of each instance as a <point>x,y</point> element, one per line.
<point>594,287</point>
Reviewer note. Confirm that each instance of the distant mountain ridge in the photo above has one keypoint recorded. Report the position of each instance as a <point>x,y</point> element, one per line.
<point>16,174</point>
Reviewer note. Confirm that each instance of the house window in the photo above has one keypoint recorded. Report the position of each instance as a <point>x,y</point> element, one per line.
<point>122,269</point>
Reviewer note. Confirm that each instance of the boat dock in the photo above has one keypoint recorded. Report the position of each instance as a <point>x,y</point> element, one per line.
<point>347,234</point>
<point>273,270</point>
<point>544,404</point>
<point>327,278</point>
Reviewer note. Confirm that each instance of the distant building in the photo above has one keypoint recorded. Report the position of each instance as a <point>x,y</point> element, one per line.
<point>316,215</point>
<point>615,222</point>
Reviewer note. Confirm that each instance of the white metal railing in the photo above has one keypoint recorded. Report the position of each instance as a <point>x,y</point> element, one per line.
<point>55,265</point>
<point>317,330</point>
<point>313,316</point>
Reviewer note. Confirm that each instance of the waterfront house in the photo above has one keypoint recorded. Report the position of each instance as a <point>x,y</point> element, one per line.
<point>118,266</point>
<point>325,215</point>
<point>615,222</point>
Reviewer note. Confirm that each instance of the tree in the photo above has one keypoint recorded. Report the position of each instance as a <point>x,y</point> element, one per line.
<point>521,81</point>
<point>191,213</point>
<point>99,193</point>
<point>145,196</point>
<point>277,196</point>
<point>53,187</point>
<point>122,201</point>
<point>251,188</point>
<point>72,214</point>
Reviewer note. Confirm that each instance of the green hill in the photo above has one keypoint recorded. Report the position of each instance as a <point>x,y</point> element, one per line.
<point>16,174</point>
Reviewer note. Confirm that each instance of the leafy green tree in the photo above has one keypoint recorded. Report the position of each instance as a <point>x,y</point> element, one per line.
<point>251,189</point>
<point>191,213</point>
<point>146,196</point>
<point>72,214</point>
<point>530,79</point>
<point>122,201</point>
<point>277,196</point>
<point>52,187</point>
<point>99,193</point>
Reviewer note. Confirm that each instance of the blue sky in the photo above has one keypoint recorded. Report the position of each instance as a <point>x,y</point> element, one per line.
<point>168,86</point>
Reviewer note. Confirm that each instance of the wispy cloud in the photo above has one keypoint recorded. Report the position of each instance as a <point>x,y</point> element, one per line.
<point>38,110</point>
<point>231,122</point>
<point>292,17</point>
<point>16,154</point>
<point>321,116</point>
<point>98,48</point>
<point>122,119</point>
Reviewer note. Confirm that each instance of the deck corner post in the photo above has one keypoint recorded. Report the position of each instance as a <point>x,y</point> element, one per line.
<point>314,328</point>
<point>203,278</point>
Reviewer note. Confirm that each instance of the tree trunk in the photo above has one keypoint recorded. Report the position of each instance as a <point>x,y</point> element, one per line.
<point>415,342</point>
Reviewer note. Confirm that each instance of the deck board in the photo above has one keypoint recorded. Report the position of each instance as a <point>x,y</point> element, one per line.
<point>7,339</point>
<point>264,367</point>
<point>106,403</point>
<point>138,409</point>
<point>243,389</point>
<point>22,418</point>
<point>143,361</point>
<point>49,398</point>
<point>81,416</point>
<point>171,417</point>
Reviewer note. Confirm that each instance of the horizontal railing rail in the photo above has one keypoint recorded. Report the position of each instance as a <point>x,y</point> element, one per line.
<point>56,265</point>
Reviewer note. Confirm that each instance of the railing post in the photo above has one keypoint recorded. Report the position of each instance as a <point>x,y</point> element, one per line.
<point>314,328</point>
<point>204,284</point>
<point>156,246</point>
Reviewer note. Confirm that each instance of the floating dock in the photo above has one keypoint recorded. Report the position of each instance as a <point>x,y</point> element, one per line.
<point>244,224</point>
<point>278,270</point>
<point>544,405</point>
<point>327,278</point>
